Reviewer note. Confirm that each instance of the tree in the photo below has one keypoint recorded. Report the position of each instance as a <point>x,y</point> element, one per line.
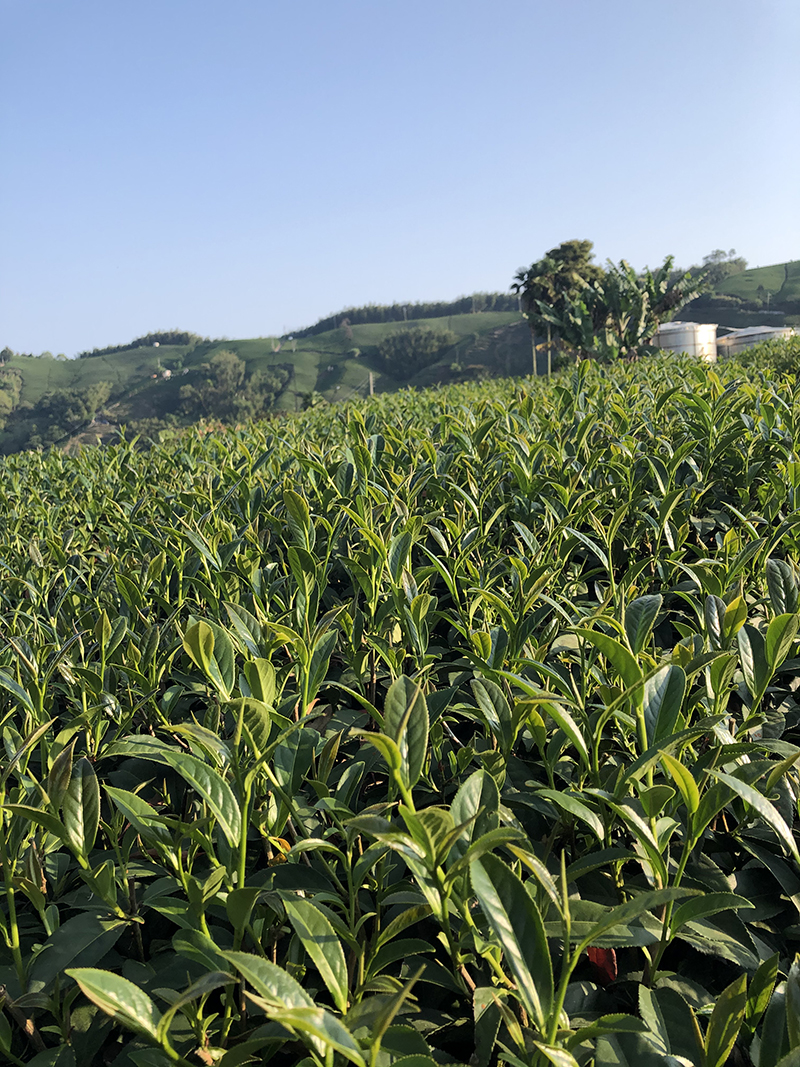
<point>223,391</point>
<point>618,315</point>
<point>214,394</point>
<point>409,350</point>
<point>66,411</point>
<point>556,282</point>
<point>719,265</point>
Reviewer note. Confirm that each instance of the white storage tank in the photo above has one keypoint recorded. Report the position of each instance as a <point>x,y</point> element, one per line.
<point>695,338</point>
<point>737,340</point>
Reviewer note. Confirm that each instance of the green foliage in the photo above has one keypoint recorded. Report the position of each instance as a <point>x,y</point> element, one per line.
<point>772,290</point>
<point>10,390</point>
<point>160,337</point>
<point>454,726</point>
<point>223,390</point>
<point>551,289</point>
<point>409,350</point>
<point>719,265</point>
<point>65,411</point>
<point>779,357</point>
<point>604,314</point>
<point>147,381</point>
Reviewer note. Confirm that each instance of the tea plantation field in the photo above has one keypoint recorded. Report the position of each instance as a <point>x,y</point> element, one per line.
<point>452,727</point>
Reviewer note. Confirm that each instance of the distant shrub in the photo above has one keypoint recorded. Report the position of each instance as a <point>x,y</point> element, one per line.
<point>726,301</point>
<point>409,350</point>
<point>66,411</point>
<point>781,355</point>
<point>10,389</point>
<point>222,390</point>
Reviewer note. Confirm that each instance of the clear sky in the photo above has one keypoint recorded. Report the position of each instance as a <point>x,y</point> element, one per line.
<point>243,167</point>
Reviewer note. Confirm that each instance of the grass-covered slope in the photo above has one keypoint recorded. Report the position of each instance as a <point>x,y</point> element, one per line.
<point>768,296</point>
<point>781,280</point>
<point>422,730</point>
<point>335,364</point>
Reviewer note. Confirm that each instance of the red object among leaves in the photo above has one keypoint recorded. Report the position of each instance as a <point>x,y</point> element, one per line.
<point>604,964</point>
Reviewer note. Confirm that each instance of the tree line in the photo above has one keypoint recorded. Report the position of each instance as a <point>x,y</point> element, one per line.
<point>377,313</point>
<point>160,337</point>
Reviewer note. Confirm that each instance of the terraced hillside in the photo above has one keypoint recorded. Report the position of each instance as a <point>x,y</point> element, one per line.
<point>782,281</point>
<point>144,384</point>
<point>768,296</point>
<point>147,388</point>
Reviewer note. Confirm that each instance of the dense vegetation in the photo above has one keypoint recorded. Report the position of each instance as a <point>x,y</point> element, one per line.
<point>451,725</point>
<point>409,350</point>
<point>224,390</point>
<point>62,412</point>
<point>774,289</point>
<point>603,313</point>
<point>161,388</point>
<point>741,297</point>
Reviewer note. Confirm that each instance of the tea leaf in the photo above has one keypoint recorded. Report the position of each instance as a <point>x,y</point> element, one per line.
<point>269,981</point>
<point>405,718</point>
<point>752,652</point>
<point>517,924</point>
<point>621,659</point>
<point>492,702</point>
<point>781,632</point>
<point>140,815</point>
<point>782,586</point>
<point>640,616</point>
<point>760,991</point>
<point>81,808</point>
<point>119,998</point>
<point>663,699</point>
<point>322,945</point>
<point>199,643</point>
<point>577,808</point>
<point>632,909</point>
<point>213,789</point>
<point>684,781</point>
<point>8,683</point>
<point>708,904</point>
<point>725,1023</point>
<point>762,806</point>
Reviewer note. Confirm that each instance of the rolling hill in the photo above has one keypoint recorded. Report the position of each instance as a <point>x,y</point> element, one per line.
<point>143,386</point>
<point>760,296</point>
<point>145,382</point>
<point>782,281</point>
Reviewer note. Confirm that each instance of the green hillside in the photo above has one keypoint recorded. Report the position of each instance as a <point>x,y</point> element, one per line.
<point>768,296</point>
<point>781,280</point>
<point>147,387</point>
<point>144,385</point>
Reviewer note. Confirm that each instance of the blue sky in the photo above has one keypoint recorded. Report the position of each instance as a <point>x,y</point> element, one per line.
<point>241,168</point>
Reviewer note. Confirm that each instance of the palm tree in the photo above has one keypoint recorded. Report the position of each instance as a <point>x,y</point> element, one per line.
<point>552,283</point>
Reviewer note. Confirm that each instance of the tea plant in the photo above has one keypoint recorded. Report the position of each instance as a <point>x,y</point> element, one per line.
<point>445,728</point>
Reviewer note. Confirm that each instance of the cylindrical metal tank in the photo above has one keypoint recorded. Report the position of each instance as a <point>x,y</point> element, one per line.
<point>696,338</point>
<point>737,340</point>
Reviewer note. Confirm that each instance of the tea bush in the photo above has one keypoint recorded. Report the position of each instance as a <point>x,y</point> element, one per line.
<point>443,728</point>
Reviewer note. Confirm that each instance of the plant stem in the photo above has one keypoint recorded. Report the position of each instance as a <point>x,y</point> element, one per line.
<point>8,878</point>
